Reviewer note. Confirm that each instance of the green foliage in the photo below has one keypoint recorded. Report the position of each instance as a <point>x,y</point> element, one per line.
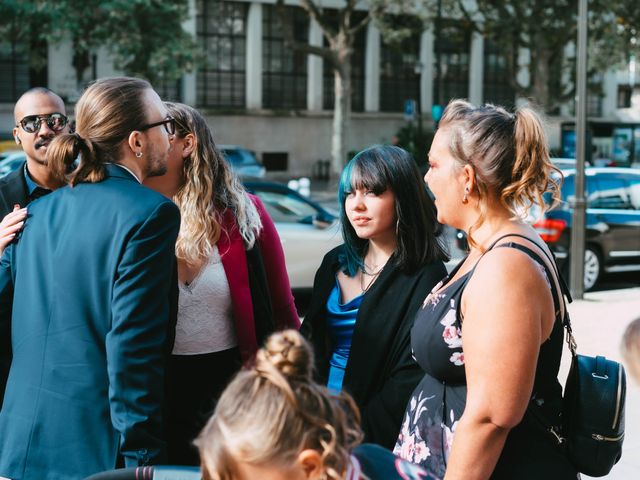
<point>25,24</point>
<point>415,140</point>
<point>144,37</point>
<point>546,28</point>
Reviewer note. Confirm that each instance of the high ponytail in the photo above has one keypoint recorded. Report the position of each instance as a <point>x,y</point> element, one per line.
<point>508,152</point>
<point>271,412</point>
<point>532,167</point>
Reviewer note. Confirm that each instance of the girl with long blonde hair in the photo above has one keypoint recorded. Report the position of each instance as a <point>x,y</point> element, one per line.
<point>232,280</point>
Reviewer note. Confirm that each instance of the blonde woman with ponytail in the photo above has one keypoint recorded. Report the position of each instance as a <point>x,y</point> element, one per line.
<point>232,280</point>
<point>489,336</point>
<point>273,422</point>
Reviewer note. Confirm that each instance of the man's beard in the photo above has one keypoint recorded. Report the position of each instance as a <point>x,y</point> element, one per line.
<point>157,167</point>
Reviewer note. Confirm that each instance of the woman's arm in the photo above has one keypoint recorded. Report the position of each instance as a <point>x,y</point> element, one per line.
<point>508,311</point>
<point>285,314</point>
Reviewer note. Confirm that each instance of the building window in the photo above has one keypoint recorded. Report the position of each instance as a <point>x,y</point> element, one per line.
<point>496,88</point>
<point>595,95</point>
<point>169,91</point>
<point>284,71</point>
<point>624,96</point>
<point>221,31</point>
<point>454,45</point>
<point>357,67</point>
<point>400,71</point>
<point>16,76</point>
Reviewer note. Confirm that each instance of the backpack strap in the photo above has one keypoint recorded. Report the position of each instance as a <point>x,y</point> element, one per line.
<point>538,259</point>
<point>563,285</point>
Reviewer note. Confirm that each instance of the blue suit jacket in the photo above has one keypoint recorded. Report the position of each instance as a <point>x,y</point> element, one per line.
<point>84,297</point>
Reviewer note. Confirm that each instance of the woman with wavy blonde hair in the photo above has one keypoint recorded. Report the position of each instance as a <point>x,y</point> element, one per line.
<point>233,284</point>
<point>489,336</point>
<point>273,422</point>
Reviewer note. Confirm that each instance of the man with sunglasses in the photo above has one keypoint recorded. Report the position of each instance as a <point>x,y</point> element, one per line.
<point>39,116</point>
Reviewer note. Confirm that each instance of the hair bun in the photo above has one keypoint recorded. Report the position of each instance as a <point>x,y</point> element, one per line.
<point>289,353</point>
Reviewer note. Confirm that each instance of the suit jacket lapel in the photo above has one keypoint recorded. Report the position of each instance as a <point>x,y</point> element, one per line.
<point>13,190</point>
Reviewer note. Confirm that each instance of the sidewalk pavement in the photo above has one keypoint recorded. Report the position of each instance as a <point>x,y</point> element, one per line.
<point>599,321</point>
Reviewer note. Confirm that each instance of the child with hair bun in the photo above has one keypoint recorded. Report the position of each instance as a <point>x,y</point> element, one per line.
<point>273,422</point>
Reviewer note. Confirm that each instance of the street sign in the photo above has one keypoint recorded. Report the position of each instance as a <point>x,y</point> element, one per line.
<point>409,110</point>
<point>436,112</point>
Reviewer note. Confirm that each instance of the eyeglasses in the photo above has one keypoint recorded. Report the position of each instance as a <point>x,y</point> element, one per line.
<point>32,123</point>
<point>169,125</point>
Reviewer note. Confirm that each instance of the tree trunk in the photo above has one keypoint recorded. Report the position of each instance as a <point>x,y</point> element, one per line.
<point>540,71</point>
<point>341,113</point>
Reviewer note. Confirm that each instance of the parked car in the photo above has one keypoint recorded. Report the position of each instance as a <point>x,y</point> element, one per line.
<point>612,235</point>
<point>10,161</point>
<point>243,161</point>
<point>306,229</point>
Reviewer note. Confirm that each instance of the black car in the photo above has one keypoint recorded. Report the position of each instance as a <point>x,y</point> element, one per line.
<point>612,237</point>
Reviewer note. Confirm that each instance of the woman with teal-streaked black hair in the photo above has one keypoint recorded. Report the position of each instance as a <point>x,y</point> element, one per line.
<point>367,291</point>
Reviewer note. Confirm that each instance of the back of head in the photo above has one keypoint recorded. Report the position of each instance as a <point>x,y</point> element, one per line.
<point>387,167</point>
<point>271,412</point>
<point>631,348</point>
<point>108,110</point>
<point>508,152</point>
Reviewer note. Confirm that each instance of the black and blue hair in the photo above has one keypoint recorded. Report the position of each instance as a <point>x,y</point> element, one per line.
<point>377,169</point>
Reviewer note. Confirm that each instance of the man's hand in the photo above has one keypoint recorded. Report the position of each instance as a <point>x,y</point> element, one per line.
<point>11,225</point>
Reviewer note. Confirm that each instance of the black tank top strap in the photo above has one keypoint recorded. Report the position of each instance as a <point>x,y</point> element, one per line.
<point>563,285</point>
<point>538,259</point>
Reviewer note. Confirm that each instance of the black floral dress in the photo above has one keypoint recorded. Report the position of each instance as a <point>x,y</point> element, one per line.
<point>437,403</point>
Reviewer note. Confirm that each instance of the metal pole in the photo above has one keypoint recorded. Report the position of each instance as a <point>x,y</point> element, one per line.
<point>438,33</point>
<point>579,203</point>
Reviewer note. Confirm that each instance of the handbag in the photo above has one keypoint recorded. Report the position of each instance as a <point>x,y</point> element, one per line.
<point>593,411</point>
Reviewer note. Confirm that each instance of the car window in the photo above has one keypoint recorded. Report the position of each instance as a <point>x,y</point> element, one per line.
<point>286,208</point>
<point>634,191</point>
<point>609,193</point>
<point>239,156</point>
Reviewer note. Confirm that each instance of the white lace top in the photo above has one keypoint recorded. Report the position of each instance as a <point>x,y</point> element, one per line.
<point>205,317</point>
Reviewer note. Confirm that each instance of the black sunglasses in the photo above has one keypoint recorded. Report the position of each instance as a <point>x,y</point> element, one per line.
<point>32,123</point>
<point>169,125</point>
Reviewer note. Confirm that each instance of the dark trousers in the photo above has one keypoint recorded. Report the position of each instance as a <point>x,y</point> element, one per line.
<point>194,384</point>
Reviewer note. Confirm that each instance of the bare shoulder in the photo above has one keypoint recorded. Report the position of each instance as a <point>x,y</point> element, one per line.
<point>506,269</point>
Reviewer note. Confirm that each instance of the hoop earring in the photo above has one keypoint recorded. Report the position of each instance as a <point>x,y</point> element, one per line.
<point>397,228</point>
<point>138,154</point>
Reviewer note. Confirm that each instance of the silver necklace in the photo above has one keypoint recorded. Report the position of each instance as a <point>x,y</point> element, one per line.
<point>364,286</point>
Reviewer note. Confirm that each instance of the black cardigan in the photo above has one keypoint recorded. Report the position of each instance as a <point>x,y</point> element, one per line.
<point>381,372</point>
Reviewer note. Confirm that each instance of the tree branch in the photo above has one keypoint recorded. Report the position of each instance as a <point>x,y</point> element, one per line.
<point>292,43</point>
<point>315,14</point>
<point>467,15</point>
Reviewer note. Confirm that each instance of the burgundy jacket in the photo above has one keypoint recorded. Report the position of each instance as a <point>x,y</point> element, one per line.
<point>234,261</point>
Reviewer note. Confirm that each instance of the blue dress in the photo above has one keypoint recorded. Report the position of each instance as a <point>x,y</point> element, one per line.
<point>341,321</point>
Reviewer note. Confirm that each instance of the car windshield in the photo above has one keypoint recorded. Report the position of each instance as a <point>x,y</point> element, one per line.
<point>239,156</point>
<point>286,208</point>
